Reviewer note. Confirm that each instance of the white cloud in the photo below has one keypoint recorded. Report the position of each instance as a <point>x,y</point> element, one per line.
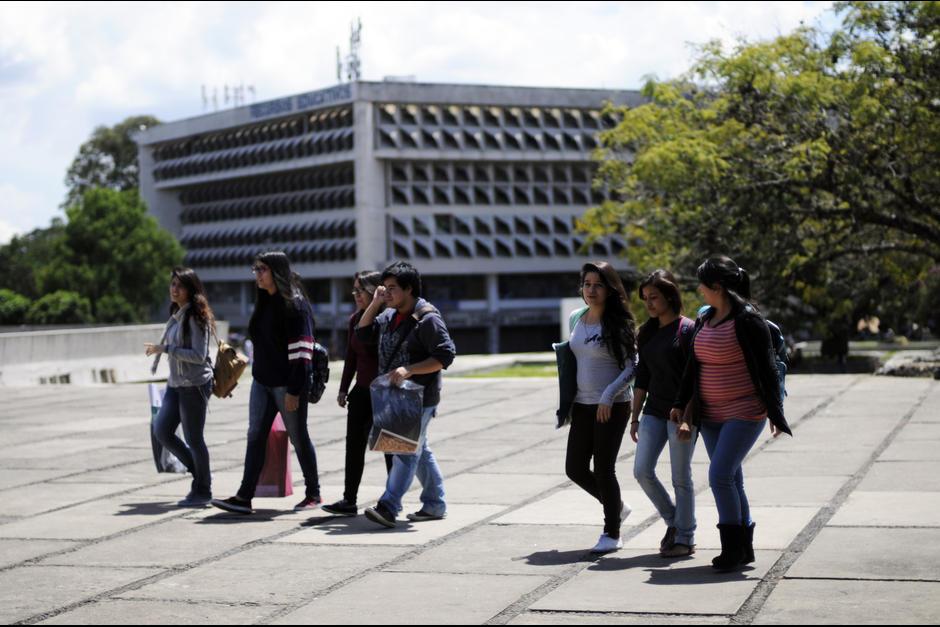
<point>67,67</point>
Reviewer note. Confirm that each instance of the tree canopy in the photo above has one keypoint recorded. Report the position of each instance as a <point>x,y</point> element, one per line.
<point>811,159</point>
<point>108,159</point>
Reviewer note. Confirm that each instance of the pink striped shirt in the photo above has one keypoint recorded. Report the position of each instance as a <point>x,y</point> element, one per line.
<point>725,385</point>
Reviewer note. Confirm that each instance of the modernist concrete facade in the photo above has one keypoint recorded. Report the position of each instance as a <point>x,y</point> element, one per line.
<point>478,186</point>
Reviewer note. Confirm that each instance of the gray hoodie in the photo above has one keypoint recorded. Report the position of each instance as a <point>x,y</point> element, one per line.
<point>190,363</point>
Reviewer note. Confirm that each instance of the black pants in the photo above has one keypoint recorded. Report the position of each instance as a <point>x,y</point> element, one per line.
<point>358,426</point>
<point>589,438</point>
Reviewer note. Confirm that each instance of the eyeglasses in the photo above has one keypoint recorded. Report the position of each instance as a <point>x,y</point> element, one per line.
<point>258,269</point>
<point>357,292</point>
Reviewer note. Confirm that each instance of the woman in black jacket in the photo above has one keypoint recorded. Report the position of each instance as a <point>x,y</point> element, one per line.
<point>732,385</point>
<point>281,329</point>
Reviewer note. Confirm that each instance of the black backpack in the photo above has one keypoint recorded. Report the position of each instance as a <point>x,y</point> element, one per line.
<point>319,373</point>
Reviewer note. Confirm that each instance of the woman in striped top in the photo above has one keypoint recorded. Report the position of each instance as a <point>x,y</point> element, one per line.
<point>731,382</point>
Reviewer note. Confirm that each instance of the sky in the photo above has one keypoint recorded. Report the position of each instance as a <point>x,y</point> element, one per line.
<point>66,68</point>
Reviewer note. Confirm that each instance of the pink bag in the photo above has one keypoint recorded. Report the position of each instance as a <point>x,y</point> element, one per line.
<point>275,478</point>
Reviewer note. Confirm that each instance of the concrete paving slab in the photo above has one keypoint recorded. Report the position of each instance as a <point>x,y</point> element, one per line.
<point>507,550</point>
<point>55,447</point>
<point>920,431</point>
<point>118,611</point>
<point>43,497</point>
<point>16,551</point>
<point>92,520</point>
<point>652,584</point>
<point>912,451</point>
<point>776,528</point>
<point>93,457</point>
<point>573,618</point>
<point>863,553</point>
<point>783,463</point>
<point>789,491</point>
<point>31,590</point>
<point>23,477</point>
<point>484,488</point>
<point>912,476</point>
<point>360,530</point>
<point>533,461</point>
<point>851,603</point>
<point>898,509</point>
<point>574,506</point>
<point>418,598</point>
<point>268,573</point>
<point>175,543</point>
<point>137,473</point>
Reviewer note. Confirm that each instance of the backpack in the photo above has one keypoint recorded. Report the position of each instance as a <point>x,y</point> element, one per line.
<point>228,369</point>
<point>319,373</point>
<point>781,357</point>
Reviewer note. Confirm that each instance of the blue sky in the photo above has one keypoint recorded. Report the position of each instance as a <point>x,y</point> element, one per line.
<point>68,67</point>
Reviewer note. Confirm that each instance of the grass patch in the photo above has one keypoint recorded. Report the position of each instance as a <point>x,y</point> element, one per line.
<point>543,371</point>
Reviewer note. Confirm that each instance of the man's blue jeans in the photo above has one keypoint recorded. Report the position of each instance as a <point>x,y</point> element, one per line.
<point>728,444</point>
<point>424,466</point>
<point>654,434</point>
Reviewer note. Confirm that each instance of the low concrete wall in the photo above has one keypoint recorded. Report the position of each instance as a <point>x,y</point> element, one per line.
<point>82,356</point>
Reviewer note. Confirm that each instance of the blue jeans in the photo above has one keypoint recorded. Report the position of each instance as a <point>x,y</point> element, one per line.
<point>728,444</point>
<point>654,434</point>
<point>263,407</point>
<point>424,466</point>
<point>187,405</point>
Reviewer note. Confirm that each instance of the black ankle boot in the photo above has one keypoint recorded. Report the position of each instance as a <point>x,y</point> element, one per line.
<point>748,535</point>
<point>732,548</point>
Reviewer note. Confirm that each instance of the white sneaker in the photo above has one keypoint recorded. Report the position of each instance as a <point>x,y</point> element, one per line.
<point>606,544</point>
<point>624,512</point>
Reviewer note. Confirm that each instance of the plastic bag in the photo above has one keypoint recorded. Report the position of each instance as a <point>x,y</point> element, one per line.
<point>275,480</point>
<point>164,459</point>
<point>396,416</point>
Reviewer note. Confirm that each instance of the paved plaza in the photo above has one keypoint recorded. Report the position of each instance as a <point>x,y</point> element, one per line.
<point>847,512</point>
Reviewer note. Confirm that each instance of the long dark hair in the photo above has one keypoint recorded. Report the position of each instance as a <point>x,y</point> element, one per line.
<point>666,283</point>
<point>725,272</point>
<point>199,303</point>
<point>290,287</point>
<point>619,325</point>
<point>369,279</point>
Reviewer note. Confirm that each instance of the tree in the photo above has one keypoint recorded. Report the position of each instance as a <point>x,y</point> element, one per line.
<point>108,159</point>
<point>22,257</point>
<point>805,158</point>
<point>13,307</point>
<point>60,307</point>
<point>113,254</point>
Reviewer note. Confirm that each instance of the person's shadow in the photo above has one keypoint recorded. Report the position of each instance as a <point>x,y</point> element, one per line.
<point>558,558</point>
<point>147,509</point>
<point>662,572</point>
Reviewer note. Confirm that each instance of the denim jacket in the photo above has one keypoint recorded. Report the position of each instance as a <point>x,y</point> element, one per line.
<point>190,363</point>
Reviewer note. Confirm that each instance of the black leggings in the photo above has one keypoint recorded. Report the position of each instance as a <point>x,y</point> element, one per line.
<point>589,438</point>
<point>358,426</point>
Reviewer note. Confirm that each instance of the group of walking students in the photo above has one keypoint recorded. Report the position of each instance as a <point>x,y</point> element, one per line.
<point>715,376</point>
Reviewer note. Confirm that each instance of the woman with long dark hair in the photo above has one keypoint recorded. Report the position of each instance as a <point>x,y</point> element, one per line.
<point>282,330</point>
<point>603,341</point>
<point>186,343</point>
<point>664,341</point>
<point>730,385</point>
<point>362,361</point>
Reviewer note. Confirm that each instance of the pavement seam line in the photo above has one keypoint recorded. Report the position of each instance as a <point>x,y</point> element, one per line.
<point>750,609</point>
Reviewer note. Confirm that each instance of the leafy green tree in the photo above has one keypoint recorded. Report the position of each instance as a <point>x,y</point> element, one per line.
<point>108,159</point>
<point>13,307</point>
<point>114,254</point>
<point>25,254</point>
<point>805,158</point>
<point>60,307</point>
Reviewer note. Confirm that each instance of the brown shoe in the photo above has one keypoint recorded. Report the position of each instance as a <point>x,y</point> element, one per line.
<point>678,550</point>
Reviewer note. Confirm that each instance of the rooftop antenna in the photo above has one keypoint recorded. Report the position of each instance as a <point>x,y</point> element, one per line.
<point>353,65</point>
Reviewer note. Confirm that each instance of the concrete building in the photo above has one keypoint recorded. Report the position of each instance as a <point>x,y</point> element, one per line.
<point>478,186</point>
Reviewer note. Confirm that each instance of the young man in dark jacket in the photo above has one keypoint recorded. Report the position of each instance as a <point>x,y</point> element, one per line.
<point>413,343</point>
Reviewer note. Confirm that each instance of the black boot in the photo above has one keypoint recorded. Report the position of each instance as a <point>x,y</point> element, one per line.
<point>732,548</point>
<point>748,543</point>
